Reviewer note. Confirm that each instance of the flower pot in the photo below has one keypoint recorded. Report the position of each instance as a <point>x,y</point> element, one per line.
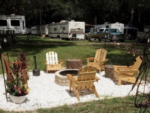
<point>18,99</point>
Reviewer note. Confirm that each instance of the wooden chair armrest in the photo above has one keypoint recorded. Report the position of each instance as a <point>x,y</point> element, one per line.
<point>71,77</point>
<point>128,70</point>
<point>89,59</point>
<point>104,60</point>
<point>117,66</point>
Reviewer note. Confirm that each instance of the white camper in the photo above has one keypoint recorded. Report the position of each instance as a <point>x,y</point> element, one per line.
<point>67,29</point>
<point>35,30</point>
<point>28,30</point>
<point>117,25</point>
<point>44,29</point>
<point>13,22</point>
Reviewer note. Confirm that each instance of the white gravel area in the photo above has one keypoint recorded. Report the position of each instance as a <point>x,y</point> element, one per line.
<point>45,93</point>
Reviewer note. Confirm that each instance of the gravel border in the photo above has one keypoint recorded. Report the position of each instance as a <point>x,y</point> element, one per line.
<point>45,93</point>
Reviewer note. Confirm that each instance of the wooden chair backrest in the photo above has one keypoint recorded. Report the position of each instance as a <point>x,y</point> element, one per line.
<point>51,57</point>
<point>100,55</point>
<point>137,63</point>
<point>86,77</point>
<point>7,66</point>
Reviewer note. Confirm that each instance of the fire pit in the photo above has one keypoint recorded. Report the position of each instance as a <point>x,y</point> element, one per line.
<point>61,76</point>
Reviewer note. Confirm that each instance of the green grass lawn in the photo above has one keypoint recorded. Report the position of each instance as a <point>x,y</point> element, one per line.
<point>65,49</point>
<point>114,105</point>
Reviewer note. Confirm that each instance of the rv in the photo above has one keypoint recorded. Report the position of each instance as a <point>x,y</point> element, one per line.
<point>116,25</point>
<point>35,30</point>
<point>13,22</point>
<point>67,29</point>
<point>44,29</point>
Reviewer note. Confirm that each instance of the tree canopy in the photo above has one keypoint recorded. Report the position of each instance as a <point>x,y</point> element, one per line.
<point>135,12</point>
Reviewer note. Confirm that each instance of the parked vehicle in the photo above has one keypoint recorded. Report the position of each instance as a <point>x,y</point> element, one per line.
<point>28,31</point>
<point>35,30</point>
<point>113,34</point>
<point>99,36</point>
<point>67,30</point>
<point>13,22</point>
<point>98,31</point>
<point>116,25</point>
<point>44,29</point>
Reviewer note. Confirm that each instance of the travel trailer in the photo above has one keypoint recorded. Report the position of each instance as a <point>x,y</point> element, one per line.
<point>116,25</point>
<point>13,22</point>
<point>35,30</point>
<point>44,29</point>
<point>67,29</point>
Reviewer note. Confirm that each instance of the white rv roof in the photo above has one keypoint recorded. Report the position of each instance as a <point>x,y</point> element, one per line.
<point>11,16</point>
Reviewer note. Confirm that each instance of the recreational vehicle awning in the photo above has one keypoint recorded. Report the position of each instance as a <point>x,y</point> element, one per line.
<point>89,25</point>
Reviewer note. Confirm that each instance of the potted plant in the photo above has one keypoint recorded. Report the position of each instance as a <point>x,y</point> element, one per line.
<point>17,86</point>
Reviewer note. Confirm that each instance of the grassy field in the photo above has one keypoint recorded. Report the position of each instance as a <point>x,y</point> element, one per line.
<point>65,49</point>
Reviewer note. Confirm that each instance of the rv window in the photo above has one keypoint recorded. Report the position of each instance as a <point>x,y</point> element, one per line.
<point>3,23</point>
<point>15,23</point>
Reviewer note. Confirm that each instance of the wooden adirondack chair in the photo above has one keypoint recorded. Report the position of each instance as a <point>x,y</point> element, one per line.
<point>85,80</point>
<point>52,62</point>
<point>124,73</point>
<point>99,59</point>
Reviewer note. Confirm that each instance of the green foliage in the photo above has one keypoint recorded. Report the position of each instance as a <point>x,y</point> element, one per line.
<point>82,10</point>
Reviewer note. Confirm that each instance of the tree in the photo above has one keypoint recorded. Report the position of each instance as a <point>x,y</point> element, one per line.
<point>139,9</point>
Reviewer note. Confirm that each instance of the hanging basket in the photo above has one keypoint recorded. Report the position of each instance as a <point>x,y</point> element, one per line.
<point>18,99</point>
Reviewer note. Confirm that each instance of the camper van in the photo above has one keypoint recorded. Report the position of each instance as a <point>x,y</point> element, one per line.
<point>35,30</point>
<point>67,29</point>
<point>44,29</point>
<point>13,22</point>
<point>116,25</point>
